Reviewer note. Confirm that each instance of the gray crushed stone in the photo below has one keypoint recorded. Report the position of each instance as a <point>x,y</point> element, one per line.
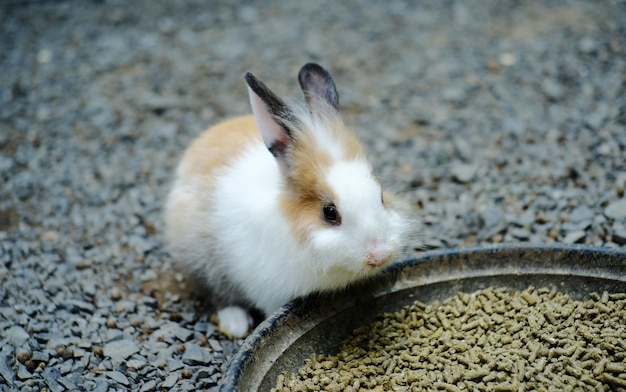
<point>500,121</point>
<point>616,210</point>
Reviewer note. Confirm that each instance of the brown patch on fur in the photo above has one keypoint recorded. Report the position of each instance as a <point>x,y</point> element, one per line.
<point>307,189</point>
<point>216,147</point>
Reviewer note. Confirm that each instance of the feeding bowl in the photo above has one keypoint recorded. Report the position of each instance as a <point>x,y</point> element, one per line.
<point>318,324</point>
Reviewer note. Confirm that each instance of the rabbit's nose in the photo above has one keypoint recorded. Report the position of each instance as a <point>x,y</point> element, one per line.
<point>378,254</point>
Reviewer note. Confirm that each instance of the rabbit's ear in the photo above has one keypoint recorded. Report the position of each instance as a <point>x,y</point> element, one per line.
<point>317,84</point>
<point>272,115</point>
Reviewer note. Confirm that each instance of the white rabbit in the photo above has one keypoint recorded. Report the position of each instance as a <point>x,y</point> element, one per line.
<point>276,205</point>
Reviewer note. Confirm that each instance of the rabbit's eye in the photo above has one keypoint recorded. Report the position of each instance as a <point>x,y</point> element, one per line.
<point>331,215</point>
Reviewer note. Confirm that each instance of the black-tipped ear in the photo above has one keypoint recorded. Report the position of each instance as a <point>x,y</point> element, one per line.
<point>317,83</point>
<point>269,111</point>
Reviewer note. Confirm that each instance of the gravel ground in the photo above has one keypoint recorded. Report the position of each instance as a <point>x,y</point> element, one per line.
<point>501,121</point>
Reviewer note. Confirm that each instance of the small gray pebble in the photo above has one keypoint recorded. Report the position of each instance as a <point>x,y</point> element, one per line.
<point>66,367</point>
<point>75,306</point>
<point>6,164</point>
<point>189,317</point>
<point>106,364</point>
<point>24,308</point>
<point>117,377</point>
<point>185,385</point>
<point>40,356</point>
<point>464,148</point>
<point>135,364</point>
<point>462,172</point>
<point>526,218</point>
<point>89,288</point>
<point>616,210</point>
<point>206,372</point>
<point>215,345</point>
<point>170,380</point>
<point>148,275</point>
<point>51,373</point>
<point>170,330</point>
<point>210,329</point>
<point>195,355</point>
<point>183,334</point>
<point>16,336</point>
<point>66,383</point>
<point>73,255</point>
<point>552,89</point>
<point>581,213</point>
<point>5,369</point>
<point>595,120</point>
<point>493,222</point>
<point>126,306</point>
<point>513,125</point>
<point>148,386</point>
<point>492,216</point>
<point>42,326</point>
<point>574,237</point>
<point>454,94</point>
<point>174,364</point>
<point>112,334</point>
<point>120,350</point>
<point>102,385</point>
<point>55,386</point>
<point>520,234</point>
<point>587,44</point>
<point>151,323</point>
<point>584,225</point>
<point>22,372</point>
<point>24,185</point>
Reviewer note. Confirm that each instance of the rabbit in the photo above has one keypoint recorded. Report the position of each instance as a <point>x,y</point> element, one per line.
<point>279,204</point>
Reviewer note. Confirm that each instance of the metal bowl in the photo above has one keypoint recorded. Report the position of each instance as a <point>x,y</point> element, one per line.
<point>318,324</point>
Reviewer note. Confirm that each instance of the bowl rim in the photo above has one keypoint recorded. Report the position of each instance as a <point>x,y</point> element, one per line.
<point>245,353</point>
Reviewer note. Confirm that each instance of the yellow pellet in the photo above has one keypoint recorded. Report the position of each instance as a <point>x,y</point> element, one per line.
<point>490,340</point>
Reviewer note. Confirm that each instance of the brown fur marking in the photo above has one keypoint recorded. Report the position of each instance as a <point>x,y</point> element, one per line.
<point>217,146</point>
<point>308,189</point>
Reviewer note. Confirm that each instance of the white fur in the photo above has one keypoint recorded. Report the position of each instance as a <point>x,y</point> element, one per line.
<point>254,237</point>
<point>321,124</point>
<point>234,321</point>
<point>365,222</point>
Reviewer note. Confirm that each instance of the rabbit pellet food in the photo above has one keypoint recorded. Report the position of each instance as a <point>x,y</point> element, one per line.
<point>490,340</point>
